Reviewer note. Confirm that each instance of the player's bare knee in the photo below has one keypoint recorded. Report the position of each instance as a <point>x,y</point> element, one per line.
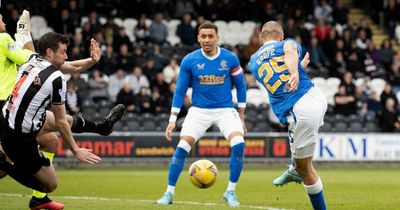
<point>190,140</point>
<point>48,142</point>
<point>50,186</point>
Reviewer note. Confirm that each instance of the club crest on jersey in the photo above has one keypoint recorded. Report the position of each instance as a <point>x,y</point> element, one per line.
<point>37,81</point>
<point>200,66</point>
<point>223,66</point>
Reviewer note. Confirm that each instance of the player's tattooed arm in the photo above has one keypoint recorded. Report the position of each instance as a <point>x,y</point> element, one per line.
<point>291,61</point>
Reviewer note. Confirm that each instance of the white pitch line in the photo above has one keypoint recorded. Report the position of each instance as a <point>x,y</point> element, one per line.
<point>141,201</point>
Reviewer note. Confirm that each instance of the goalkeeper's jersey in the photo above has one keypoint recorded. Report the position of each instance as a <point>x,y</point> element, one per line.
<point>10,57</point>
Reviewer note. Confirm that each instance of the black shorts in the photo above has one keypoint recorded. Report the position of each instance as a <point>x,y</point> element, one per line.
<point>22,149</point>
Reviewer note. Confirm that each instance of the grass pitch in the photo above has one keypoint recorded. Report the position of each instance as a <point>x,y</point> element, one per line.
<point>111,189</point>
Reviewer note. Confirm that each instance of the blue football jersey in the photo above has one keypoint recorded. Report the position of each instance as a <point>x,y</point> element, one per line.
<point>269,68</point>
<point>211,80</point>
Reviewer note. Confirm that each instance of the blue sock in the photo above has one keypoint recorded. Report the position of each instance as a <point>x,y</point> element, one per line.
<point>318,201</point>
<point>236,162</point>
<point>176,165</point>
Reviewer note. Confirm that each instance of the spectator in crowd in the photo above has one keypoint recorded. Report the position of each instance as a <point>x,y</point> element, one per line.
<point>347,81</point>
<point>122,39</point>
<point>141,31</point>
<point>115,83</point>
<point>183,7</point>
<point>150,69</point>
<point>397,32</point>
<point>159,84</point>
<point>386,53</point>
<point>374,53</point>
<point>73,102</point>
<point>393,77</point>
<point>158,102</point>
<point>75,54</point>
<point>81,85</point>
<point>185,31</point>
<point>388,93</point>
<point>52,15</point>
<point>200,20</point>
<point>374,106</point>
<point>329,44</point>
<point>209,10</point>
<point>389,118</point>
<point>252,46</point>
<point>160,60</point>
<point>171,71</point>
<point>136,80</point>
<point>344,102</point>
<point>317,55</point>
<point>144,100</point>
<point>361,99</point>
<point>94,21</point>
<point>125,59</point>
<point>355,66</point>
<point>268,11</point>
<point>338,66</point>
<point>98,86</point>
<point>158,31</point>
<point>66,25</point>
<point>126,97</point>
<point>364,26</point>
<point>362,40</point>
<point>74,13</point>
<point>322,30</point>
<point>109,61</point>
<point>340,12</point>
<point>139,57</point>
<point>323,11</point>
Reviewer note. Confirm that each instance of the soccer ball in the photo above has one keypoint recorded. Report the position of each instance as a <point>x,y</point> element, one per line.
<point>203,173</point>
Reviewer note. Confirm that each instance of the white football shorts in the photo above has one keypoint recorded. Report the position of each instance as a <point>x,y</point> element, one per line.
<point>198,120</point>
<point>304,122</point>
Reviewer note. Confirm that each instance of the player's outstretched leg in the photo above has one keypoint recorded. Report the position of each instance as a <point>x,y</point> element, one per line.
<point>175,169</point>
<point>235,168</point>
<point>48,146</point>
<point>290,175</point>
<point>312,183</point>
<point>81,125</point>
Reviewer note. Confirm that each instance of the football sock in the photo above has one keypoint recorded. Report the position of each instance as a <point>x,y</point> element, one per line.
<point>81,125</point>
<point>237,156</point>
<point>231,186</point>
<point>316,196</point>
<point>292,168</point>
<point>38,194</point>
<point>177,163</point>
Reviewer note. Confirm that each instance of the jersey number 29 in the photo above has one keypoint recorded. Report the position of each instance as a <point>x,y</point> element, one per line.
<point>270,68</point>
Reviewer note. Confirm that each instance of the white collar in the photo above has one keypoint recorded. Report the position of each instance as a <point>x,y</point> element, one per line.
<point>212,57</point>
<point>269,42</point>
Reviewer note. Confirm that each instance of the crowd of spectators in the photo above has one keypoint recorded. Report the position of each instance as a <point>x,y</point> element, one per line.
<point>141,74</point>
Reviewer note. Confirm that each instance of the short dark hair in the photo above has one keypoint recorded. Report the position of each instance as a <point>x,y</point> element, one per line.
<point>51,40</point>
<point>208,25</point>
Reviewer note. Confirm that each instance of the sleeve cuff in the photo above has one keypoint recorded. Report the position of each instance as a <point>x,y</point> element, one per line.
<point>175,109</point>
<point>242,105</point>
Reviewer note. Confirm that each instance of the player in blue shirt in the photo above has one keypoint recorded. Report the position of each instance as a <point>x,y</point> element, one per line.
<point>294,99</point>
<point>210,71</point>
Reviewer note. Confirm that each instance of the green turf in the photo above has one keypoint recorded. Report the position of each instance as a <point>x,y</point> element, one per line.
<point>137,189</point>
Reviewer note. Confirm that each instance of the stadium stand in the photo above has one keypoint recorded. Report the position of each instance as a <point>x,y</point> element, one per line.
<point>373,60</point>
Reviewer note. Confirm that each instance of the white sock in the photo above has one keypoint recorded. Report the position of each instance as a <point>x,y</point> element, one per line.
<point>292,169</point>
<point>171,189</point>
<point>314,188</point>
<point>231,186</point>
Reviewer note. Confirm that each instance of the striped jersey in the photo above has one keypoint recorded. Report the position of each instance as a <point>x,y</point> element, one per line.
<point>10,56</point>
<point>39,83</point>
<point>211,79</point>
<point>268,66</point>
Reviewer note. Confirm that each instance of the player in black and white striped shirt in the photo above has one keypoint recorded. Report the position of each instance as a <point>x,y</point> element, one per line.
<point>39,84</point>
